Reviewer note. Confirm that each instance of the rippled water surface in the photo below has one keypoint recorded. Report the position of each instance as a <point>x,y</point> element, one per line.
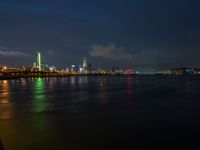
<point>99,112</point>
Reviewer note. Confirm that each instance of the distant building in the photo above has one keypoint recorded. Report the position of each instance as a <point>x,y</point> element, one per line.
<point>38,61</point>
<point>67,69</point>
<point>73,68</point>
<point>113,69</point>
<point>165,72</point>
<point>34,65</point>
<point>85,65</point>
<point>89,67</point>
<point>180,71</point>
<point>130,70</point>
<point>80,69</point>
<point>52,68</point>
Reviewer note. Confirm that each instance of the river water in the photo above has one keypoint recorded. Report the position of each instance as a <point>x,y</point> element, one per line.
<point>100,113</point>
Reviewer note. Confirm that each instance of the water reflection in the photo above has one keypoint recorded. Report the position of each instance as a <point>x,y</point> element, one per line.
<point>23,82</point>
<point>103,95</point>
<point>39,97</point>
<point>4,92</point>
<point>82,84</point>
<point>51,84</point>
<point>130,91</point>
<point>5,101</point>
<point>130,87</point>
<point>72,81</point>
<point>82,80</point>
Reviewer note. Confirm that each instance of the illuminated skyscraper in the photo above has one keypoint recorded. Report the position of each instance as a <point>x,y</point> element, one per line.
<point>85,65</point>
<point>38,62</point>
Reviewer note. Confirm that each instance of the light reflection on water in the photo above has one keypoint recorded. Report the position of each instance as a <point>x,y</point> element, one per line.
<point>72,81</point>
<point>5,101</point>
<point>82,84</point>
<point>103,95</point>
<point>83,110</point>
<point>39,98</point>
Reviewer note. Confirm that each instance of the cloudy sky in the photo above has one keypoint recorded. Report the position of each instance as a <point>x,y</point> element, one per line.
<point>145,34</point>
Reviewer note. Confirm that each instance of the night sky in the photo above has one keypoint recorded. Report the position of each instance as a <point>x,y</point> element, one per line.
<point>145,34</point>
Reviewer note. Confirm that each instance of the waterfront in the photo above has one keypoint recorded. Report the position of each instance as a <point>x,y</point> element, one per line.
<point>80,112</point>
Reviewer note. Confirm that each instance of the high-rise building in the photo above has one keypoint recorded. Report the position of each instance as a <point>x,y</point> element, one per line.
<point>85,65</point>
<point>73,68</point>
<point>52,68</point>
<point>89,67</point>
<point>80,69</point>
<point>38,61</point>
<point>34,65</point>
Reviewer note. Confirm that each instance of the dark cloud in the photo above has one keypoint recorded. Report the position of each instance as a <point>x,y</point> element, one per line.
<point>8,52</point>
<point>110,51</point>
<point>13,54</point>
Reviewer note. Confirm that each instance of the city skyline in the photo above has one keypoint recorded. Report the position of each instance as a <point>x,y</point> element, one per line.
<point>146,35</point>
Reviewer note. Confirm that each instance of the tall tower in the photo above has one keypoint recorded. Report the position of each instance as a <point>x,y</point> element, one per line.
<point>85,65</point>
<point>38,61</point>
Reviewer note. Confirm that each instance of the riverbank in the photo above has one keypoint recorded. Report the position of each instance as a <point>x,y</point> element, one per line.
<point>58,75</point>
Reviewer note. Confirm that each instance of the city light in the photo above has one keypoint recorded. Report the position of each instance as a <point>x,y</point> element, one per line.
<point>39,69</point>
<point>5,81</point>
